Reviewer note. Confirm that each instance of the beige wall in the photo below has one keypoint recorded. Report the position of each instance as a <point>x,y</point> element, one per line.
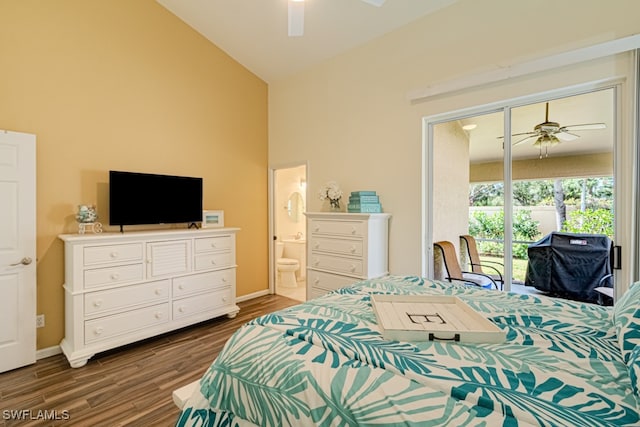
<point>546,168</point>
<point>351,120</point>
<point>451,183</point>
<point>121,84</point>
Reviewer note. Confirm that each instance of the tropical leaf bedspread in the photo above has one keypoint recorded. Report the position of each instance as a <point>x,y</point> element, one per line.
<point>325,363</point>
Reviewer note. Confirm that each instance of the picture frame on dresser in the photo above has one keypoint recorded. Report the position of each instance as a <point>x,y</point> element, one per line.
<point>212,219</point>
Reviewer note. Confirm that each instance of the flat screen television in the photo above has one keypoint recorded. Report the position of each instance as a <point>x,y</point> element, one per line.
<point>143,198</point>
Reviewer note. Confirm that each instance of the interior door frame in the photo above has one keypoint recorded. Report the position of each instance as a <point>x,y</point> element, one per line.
<point>626,240</point>
<point>272,214</point>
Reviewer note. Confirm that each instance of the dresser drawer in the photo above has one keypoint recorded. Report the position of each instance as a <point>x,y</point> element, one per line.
<point>110,326</point>
<point>203,302</point>
<point>337,264</point>
<point>207,244</point>
<point>337,246</point>
<point>339,228</point>
<point>198,283</point>
<point>112,275</point>
<point>214,260</point>
<point>110,300</point>
<point>93,255</point>
<point>321,283</point>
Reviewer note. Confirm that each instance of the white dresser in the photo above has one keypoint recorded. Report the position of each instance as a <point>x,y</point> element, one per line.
<point>124,287</point>
<point>344,248</point>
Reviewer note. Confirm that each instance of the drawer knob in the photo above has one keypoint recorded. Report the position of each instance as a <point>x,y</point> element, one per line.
<point>213,245</point>
<point>225,299</point>
<point>158,315</point>
<point>115,276</point>
<point>224,280</point>
<point>353,249</point>
<point>97,303</point>
<point>353,230</point>
<point>353,268</point>
<point>213,262</point>
<point>316,262</point>
<point>315,282</point>
<point>181,309</point>
<point>181,286</point>
<point>316,228</point>
<point>158,291</point>
<point>114,254</point>
<point>98,330</point>
<point>316,245</point>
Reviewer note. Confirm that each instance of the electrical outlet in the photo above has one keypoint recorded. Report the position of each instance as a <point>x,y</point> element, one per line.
<point>40,321</point>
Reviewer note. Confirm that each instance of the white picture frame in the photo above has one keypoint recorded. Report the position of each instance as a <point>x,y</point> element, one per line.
<point>212,219</point>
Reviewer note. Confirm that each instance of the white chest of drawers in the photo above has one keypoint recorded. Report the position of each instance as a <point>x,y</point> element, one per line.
<point>344,248</point>
<point>124,287</point>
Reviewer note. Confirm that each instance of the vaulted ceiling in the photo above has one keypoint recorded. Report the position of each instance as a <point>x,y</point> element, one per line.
<point>254,32</point>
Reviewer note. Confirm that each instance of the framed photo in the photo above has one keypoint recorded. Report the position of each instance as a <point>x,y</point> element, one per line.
<point>212,219</point>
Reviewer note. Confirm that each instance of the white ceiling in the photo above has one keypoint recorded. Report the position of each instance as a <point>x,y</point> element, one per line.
<point>254,32</point>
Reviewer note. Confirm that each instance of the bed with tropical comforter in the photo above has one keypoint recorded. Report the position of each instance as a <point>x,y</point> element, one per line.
<point>325,363</point>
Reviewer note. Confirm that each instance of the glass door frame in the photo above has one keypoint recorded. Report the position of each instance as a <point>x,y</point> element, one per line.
<point>505,107</point>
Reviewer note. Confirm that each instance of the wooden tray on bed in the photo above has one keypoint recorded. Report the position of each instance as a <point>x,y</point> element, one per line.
<point>432,318</point>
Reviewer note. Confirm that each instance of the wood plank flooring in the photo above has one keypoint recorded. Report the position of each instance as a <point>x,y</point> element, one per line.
<point>129,386</point>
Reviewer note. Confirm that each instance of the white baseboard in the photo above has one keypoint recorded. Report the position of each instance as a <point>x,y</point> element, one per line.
<point>48,352</point>
<point>252,296</point>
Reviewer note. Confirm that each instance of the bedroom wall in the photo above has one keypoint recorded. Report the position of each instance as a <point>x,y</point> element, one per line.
<point>350,117</point>
<point>120,84</point>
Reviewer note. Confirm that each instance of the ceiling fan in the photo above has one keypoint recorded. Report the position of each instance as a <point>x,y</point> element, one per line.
<point>296,15</point>
<point>548,133</point>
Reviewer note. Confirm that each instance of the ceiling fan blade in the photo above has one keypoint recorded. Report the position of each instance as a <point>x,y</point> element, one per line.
<point>566,136</point>
<point>522,133</point>
<point>586,126</point>
<point>377,3</point>
<point>524,139</point>
<point>296,18</point>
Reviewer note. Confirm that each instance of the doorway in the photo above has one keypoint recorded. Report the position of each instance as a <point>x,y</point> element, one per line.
<point>522,169</point>
<point>289,247</point>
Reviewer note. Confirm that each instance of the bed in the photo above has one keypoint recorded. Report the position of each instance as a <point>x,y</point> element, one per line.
<point>325,363</point>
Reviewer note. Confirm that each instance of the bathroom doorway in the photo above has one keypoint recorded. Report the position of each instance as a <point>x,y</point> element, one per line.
<point>289,231</point>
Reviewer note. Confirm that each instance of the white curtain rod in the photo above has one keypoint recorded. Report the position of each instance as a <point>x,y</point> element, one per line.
<point>550,62</point>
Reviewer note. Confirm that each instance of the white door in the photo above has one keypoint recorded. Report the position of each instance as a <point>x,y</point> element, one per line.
<point>17,250</point>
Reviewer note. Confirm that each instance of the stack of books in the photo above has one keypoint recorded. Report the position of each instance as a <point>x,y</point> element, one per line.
<point>364,202</point>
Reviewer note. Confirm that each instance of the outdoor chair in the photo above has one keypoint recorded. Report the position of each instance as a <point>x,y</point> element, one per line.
<point>445,255</point>
<point>469,251</point>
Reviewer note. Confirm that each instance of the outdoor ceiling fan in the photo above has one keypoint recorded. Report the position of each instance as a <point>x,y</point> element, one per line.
<point>296,15</point>
<point>548,133</point>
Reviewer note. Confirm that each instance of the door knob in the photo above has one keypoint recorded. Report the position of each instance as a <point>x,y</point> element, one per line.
<point>24,261</point>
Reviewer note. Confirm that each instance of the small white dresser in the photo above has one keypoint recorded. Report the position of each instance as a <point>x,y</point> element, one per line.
<point>344,248</point>
<point>124,287</point>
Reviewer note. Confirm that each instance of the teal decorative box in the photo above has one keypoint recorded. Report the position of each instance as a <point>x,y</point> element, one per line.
<point>365,208</point>
<point>364,199</point>
<point>363,193</point>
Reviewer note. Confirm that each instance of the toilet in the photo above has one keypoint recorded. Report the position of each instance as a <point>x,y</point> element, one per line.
<point>286,268</point>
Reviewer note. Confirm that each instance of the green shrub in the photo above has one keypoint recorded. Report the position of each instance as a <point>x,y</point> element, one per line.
<point>591,221</point>
<point>491,226</point>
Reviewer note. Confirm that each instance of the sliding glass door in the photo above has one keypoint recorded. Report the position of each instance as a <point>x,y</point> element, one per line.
<point>514,173</point>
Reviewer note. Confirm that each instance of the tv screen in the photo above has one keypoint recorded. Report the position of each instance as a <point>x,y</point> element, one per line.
<point>142,198</point>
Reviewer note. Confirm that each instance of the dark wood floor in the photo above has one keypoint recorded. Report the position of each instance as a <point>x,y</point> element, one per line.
<point>128,386</point>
